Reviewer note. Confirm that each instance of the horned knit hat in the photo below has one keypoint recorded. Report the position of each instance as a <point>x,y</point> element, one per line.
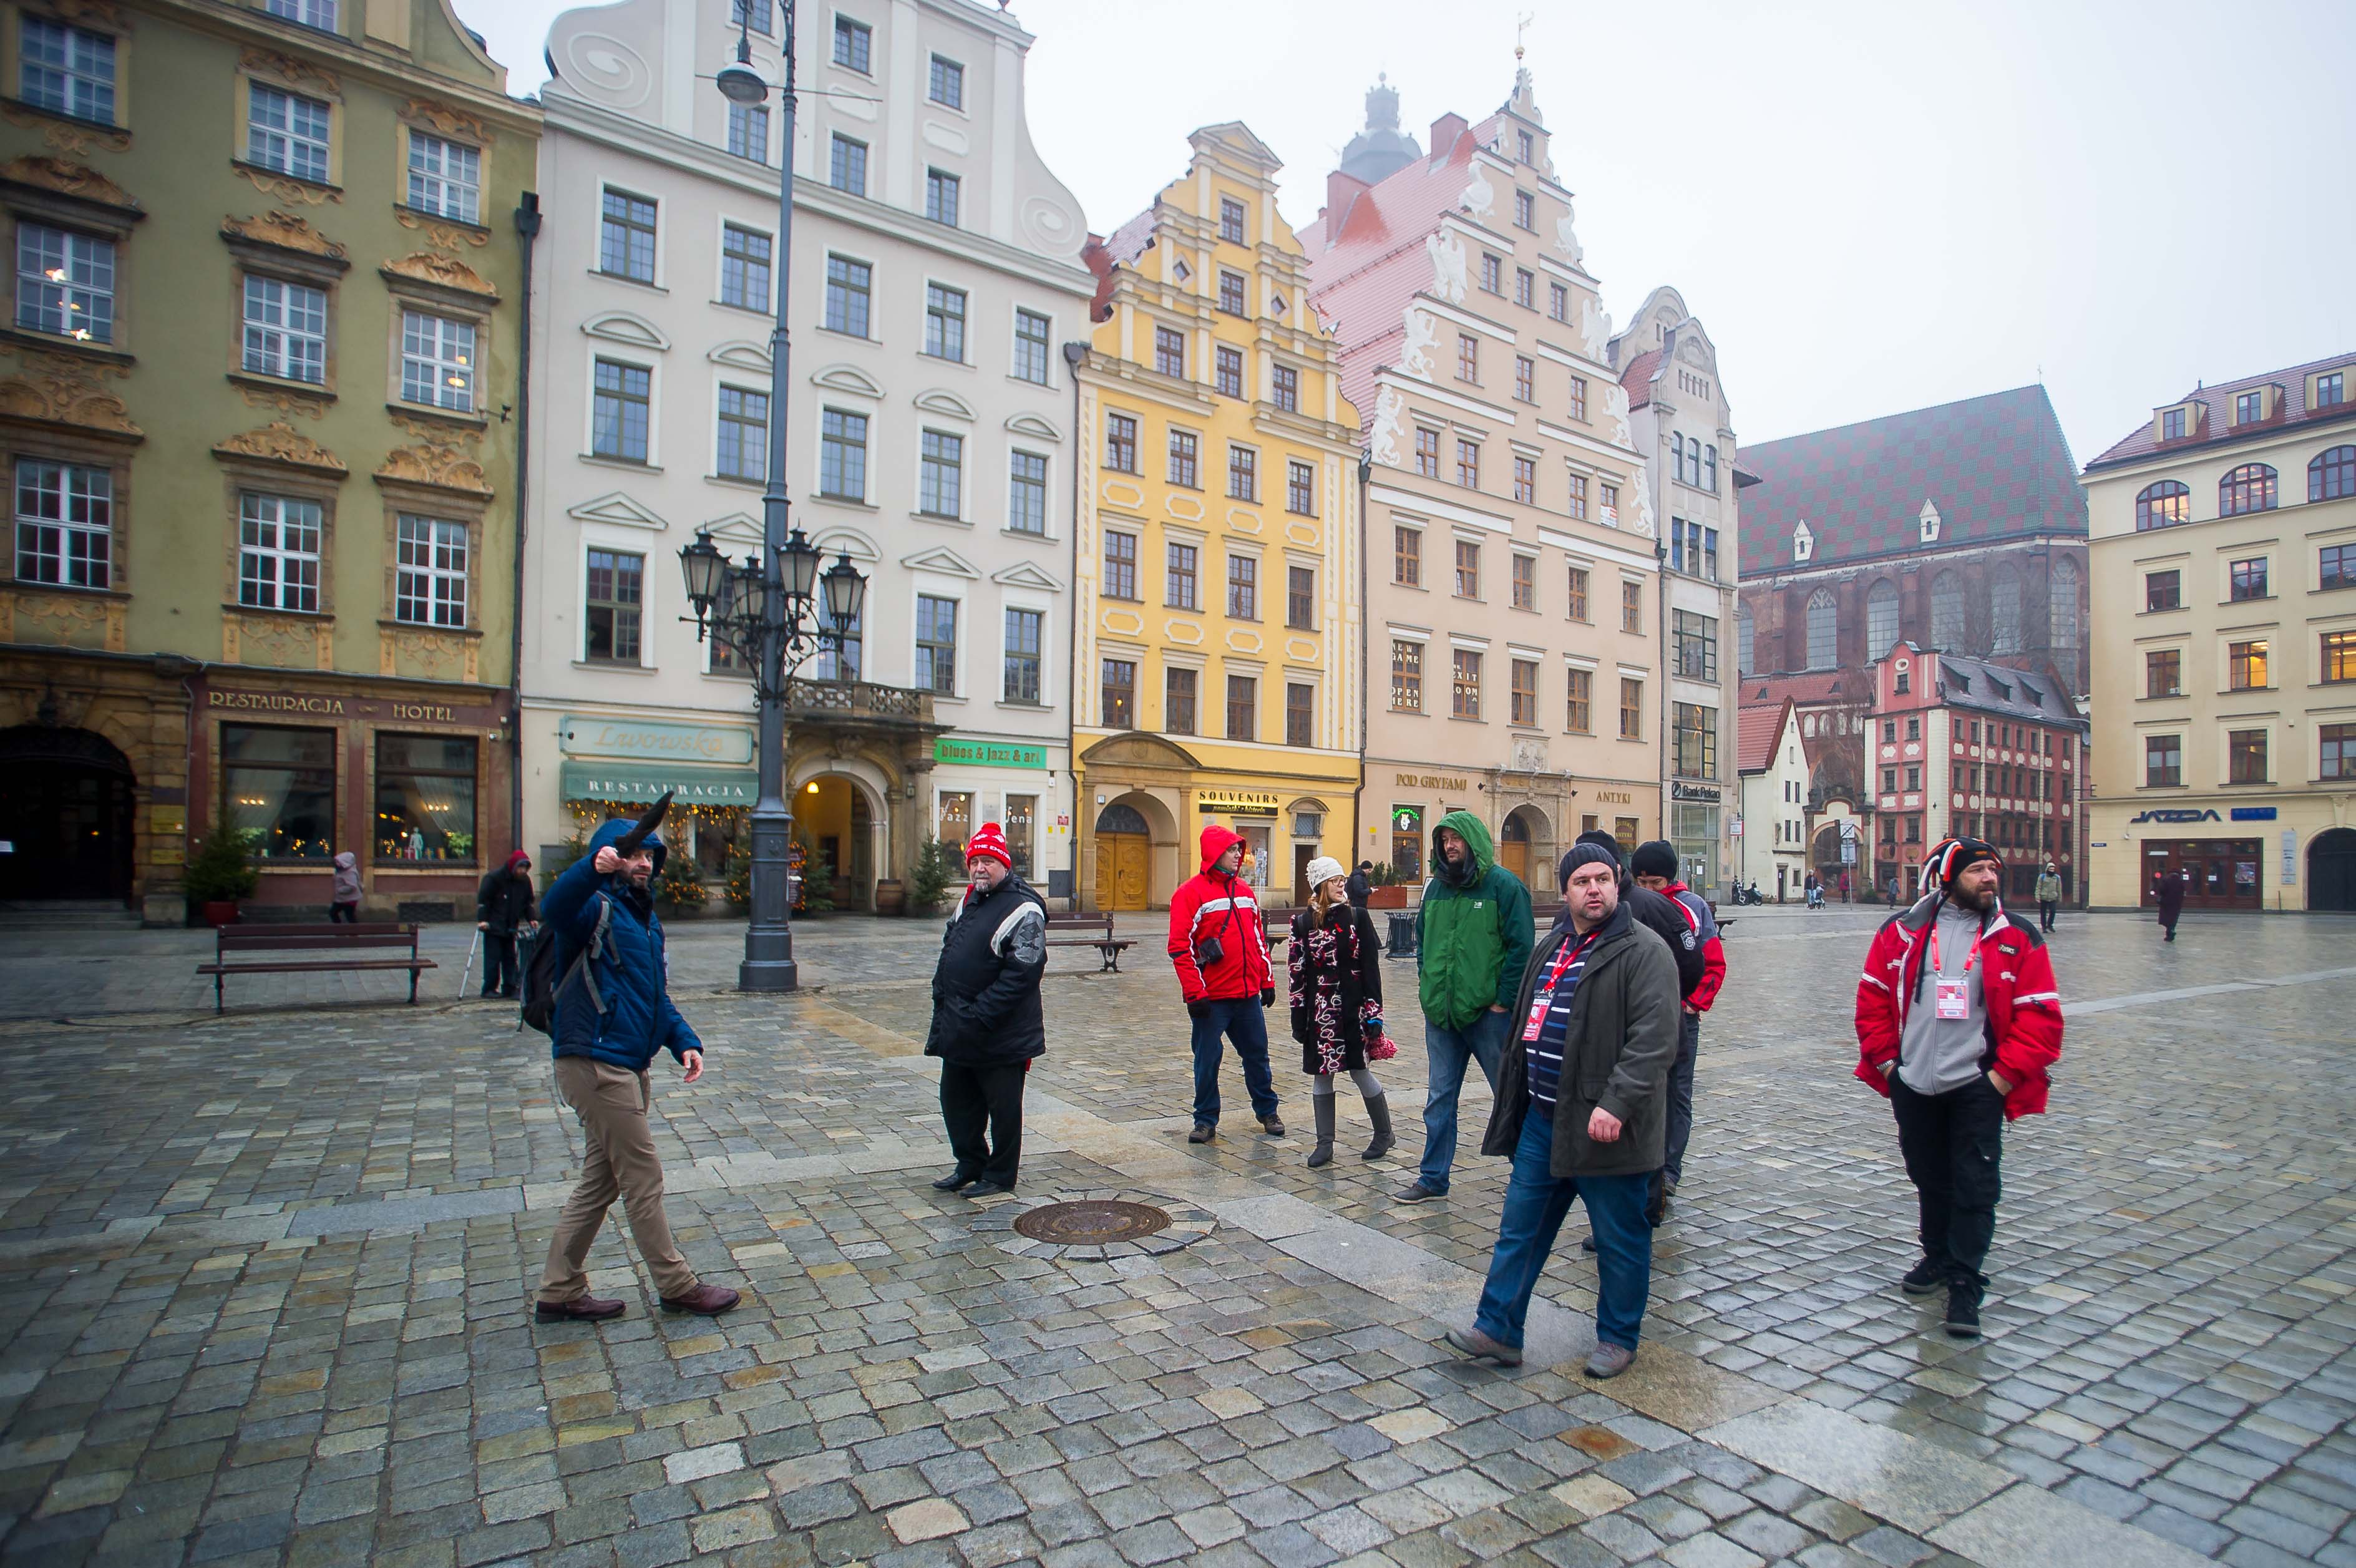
<point>1949,855</point>
<point>988,843</point>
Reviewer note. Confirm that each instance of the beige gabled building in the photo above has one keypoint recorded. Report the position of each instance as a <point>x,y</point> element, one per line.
<point>2223,574</point>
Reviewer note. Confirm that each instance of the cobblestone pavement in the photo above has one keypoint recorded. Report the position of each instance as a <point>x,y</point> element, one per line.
<point>263,1284</point>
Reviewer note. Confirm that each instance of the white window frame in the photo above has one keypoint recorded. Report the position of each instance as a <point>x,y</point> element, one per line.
<point>589,406</point>
<point>720,387</point>
<point>963,471</point>
<point>85,259</point>
<point>1047,529</point>
<point>430,174</point>
<point>261,140</point>
<point>432,573</point>
<point>254,513</point>
<point>79,82</point>
<point>319,14</point>
<point>766,305</point>
<point>1046,377</point>
<point>1030,603</point>
<point>455,354</point>
<point>64,524</point>
<point>279,332</point>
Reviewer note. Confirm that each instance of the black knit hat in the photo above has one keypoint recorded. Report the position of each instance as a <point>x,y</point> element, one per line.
<point>1657,858</point>
<point>1584,853</point>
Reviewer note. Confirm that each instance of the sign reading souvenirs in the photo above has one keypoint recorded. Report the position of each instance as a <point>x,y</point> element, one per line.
<point>988,752</point>
<point>669,743</point>
<point>1434,781</point>
<point>1236,803</point>
<point>2208,816</point>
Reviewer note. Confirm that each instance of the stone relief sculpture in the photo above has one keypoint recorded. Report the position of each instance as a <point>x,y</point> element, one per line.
<point>1480,197</point>
<point>1616,408</point>
<point>1645,523</point>
<point>1422,337</point>
<point>601,68</point>
<point>1595,328</point>
<point>1566,238</point>
<point>1447,267</point>
<point>1382,437</point>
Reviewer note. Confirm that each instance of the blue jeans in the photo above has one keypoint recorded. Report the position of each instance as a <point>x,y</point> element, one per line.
<point>1535,1203</point>
<point>1242,1021</point>
<point>1447,1052</point>
<point>1681,1076</point>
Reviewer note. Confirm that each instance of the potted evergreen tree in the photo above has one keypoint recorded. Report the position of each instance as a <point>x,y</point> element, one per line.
<point>219,875</point>
<point>929,878</point>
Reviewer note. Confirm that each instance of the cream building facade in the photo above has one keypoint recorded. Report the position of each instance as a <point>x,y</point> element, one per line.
<point>935,272</point>
<point>2223,571</point>
<point>1512,591</point>
<point>1677,411</point>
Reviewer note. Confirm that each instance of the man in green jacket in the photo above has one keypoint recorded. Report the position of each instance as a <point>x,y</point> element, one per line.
<point>1473,942</point>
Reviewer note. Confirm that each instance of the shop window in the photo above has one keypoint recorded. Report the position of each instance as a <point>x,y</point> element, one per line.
<point>1020,823</point>
<point>1407,677</point>
<point>425,798</point>
<point>956,817</point>
<point>278,790</point>
<point>1407,843</point>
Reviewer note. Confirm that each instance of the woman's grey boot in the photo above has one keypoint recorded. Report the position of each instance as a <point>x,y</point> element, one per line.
<point>1323,1155</point>
<point>1378,1111</point>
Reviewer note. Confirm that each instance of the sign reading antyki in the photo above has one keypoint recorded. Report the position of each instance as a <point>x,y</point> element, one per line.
<point>724,744</point>
<point>988,752</point>
<point>1236,802</point>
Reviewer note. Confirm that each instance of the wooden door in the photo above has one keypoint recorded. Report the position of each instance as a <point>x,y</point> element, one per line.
<point>1124,861</point>
<point>1513,854</point>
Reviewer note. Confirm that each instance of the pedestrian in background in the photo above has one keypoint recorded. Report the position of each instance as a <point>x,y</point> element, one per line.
<point>1361,885</point>
<point>1655,868</point>
<point>1958,1022</point>
<point>1474,935</point>
<point>2171,901</point>
<point>1335,973</point>
<point>1582,1112</point>
<point>987,1020</point>
<point>612,1013</point>
<point>1219,946</point>
<point>2048,895</point>
<point>1894,890</point>
<point>504,910</point>
<point>344,892</point>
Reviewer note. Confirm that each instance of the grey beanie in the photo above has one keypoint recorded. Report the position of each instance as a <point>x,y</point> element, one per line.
<point>1584,853</point>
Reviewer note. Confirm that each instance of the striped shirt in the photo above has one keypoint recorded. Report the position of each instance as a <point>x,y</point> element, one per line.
<point>1555,990</point>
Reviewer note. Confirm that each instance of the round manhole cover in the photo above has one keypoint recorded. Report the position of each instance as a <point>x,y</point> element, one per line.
<point>1090,1222</point>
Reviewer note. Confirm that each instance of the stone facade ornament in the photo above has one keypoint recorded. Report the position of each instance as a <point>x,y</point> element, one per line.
<point>64,389</point>
<point>1566,239</point>
<point>285,231</point>
<point>441,271</point>
<point>1422,337</point>
<point>1447,252</point>
<point>66,178</point>
<point>279,442</point>
<point>1382,437</point>
<point>1480,197</point>
<point>1595,332</point>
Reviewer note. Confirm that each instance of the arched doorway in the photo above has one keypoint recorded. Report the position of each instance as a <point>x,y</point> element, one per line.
<point>2332,871</point>
<point>65,802</point>
<point>1124,858</point>
<point>836,827</point>
<point>1520,829</point>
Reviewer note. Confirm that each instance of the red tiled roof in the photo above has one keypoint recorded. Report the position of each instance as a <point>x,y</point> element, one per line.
<point>1638,377</point>
<point>1361,276</point>
<point>1996,466</point>
<point>1757,729</point>
<point>2219,401</point>
<point>1809,686</point>
<point>1128,242</point>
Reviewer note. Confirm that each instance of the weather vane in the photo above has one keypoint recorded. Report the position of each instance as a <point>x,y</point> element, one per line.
<point>1521,32</point>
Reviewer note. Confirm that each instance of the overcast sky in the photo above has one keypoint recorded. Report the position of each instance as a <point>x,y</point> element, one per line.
<point>1871,207</point>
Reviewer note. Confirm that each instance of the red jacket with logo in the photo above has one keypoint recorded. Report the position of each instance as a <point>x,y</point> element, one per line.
<point>2024,1007</point>
<point>1214,905</point>
<point>1696,909</point>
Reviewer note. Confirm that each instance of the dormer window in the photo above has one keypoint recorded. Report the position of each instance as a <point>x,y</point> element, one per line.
<point>1804,542</point>
<point>2249,407</point>
<point>2171,424</point>
<point>2331,389</point>
<point>1928,519</point>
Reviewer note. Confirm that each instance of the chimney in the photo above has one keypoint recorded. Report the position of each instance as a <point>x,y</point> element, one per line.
<point>1341,190</point>
<point>1445,132</point>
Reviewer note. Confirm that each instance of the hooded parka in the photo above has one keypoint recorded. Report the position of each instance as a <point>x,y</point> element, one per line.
<point>1473,931</point>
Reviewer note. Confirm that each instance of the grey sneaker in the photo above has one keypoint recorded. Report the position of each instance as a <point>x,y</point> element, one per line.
<point>1475,1345</point>
<point>1416,1192</point>
<point>1203,1133</point>
<point>1609,1360</point>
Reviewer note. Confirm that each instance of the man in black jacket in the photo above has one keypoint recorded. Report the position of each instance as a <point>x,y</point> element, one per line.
<point>1359,887</point>
<point>504,911</point>
<point>987,1023</point>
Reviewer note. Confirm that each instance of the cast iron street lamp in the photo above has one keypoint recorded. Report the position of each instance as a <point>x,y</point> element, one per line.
<point>777,608</point>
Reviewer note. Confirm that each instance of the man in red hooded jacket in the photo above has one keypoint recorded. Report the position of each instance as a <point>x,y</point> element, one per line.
<point>1958,1022</point>
<point>1219,944</point>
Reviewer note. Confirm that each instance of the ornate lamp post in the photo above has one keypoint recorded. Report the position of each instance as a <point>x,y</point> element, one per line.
<point>771,611</point>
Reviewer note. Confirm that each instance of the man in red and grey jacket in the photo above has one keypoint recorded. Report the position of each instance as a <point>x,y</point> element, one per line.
<point>1220,945</point>
<point>1656,866</point>
<point>1959,1023</point>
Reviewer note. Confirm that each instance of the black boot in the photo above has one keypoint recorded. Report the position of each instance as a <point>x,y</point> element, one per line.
<point>1378,1111</point>
<point>1323,1155</point>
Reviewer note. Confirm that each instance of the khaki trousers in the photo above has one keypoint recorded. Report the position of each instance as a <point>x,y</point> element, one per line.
<point>612,1102</point>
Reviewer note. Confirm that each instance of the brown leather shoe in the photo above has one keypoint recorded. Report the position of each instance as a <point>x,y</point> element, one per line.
<point>579,1309</point>
<point>709,1300</point>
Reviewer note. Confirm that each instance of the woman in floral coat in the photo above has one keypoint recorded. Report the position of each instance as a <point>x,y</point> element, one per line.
<point>1335,965</point>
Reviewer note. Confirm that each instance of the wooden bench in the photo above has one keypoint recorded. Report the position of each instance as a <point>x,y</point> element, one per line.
<point>332,949</point>
<point>1108,947</point>
<point>1280,924</point>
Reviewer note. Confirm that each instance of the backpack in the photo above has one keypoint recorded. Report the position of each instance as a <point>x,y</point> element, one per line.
<point>541,983</point>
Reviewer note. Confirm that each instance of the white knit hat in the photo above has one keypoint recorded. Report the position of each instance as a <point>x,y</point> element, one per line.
<point>1325,869</point>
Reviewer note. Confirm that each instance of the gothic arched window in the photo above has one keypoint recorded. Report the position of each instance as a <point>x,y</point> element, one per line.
<point>1947,613</point>
<point>2064,611</point>
<point>2004,611</point>
<point>1824,630</point>
<point>1880,618</point>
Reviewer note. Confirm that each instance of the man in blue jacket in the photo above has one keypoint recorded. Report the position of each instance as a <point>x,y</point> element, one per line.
<point>612,1014</point>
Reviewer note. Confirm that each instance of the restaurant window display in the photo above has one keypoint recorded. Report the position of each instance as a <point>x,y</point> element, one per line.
<point>1256,853</point>
<point>425,798</point>
<point>1021,819</point>
<point>956,818</point>
<point>1407,843</point>
<point>278,790</point>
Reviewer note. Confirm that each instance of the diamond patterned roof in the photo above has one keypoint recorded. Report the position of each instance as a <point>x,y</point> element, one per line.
<point>1995,467</point>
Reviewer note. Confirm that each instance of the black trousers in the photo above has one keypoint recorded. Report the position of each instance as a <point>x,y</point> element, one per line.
<point>1954,1144</point>
<point>2045,907</point>
<point>343,914</point>
<point>975,1096</point>
<point>501,975</point>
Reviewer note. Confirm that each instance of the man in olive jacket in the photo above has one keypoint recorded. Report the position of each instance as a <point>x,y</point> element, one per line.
<point>1473,943</point>
<point>1583,1110</point>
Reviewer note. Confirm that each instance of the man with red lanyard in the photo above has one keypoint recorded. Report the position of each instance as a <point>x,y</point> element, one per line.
<point>1581,1113</point>
<point>1959,1023</point>
<point>1656,866</point>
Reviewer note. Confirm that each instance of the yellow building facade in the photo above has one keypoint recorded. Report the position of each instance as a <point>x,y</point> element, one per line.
<point>1218,671</point>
